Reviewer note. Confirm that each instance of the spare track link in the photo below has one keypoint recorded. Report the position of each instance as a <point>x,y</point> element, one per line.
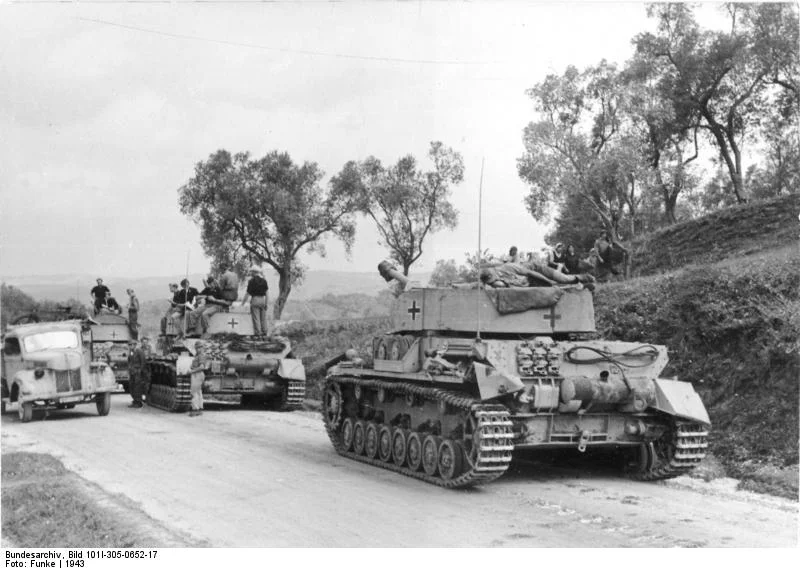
<point>168,391</point>
<point>494,425</point>
<point>689,441</point>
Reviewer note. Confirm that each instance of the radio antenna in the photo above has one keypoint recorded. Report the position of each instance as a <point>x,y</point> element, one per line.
<point>479,290</point>
<point>186,295</point>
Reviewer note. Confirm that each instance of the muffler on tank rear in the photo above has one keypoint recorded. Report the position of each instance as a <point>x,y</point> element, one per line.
<point>630,394</point>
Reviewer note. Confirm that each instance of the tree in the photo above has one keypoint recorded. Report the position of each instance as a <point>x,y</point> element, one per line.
<point>407,204</point>
<point>582,145</point>
<point>447,272</point>
<point>720,81</point>
<point>268,210</point>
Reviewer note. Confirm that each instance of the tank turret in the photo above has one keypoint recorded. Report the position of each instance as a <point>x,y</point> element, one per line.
<point>470,373</point>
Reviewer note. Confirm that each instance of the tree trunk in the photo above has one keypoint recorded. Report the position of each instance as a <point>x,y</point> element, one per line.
<point>284,288</point>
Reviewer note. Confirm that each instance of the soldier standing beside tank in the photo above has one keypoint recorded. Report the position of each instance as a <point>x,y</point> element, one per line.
<point>257,289</point>
<point>137,372</point>
<point>198,376</point>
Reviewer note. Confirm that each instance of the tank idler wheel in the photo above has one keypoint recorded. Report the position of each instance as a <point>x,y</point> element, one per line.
<point>385,444</point>
<point>25,411</point>
<point>348,429</point>
<point>471,441</point>
<point>332,405</point>
<point>430,454</point>
<point>399,446</point>
<point>451,462</point>
<point>371,440</point>
<point>359,437</point>
<point>414,451</point>
<point>103,403</point>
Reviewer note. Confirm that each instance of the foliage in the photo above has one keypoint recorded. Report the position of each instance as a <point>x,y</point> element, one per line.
<point>268,210</point>
<point>724,82</point>
<point>14,304</point>
<point>406,203</point>
<point>447,272</point>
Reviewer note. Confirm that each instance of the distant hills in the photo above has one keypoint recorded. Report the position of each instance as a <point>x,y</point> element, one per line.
<point>316,284</point>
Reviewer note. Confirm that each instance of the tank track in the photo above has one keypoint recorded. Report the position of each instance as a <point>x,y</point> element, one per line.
<point>294,394</point>
<point>168,391</point>
<point>493,430</point>
<point>680,451</point>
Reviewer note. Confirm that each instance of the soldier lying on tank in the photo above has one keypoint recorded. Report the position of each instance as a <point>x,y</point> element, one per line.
<point>531,274</point>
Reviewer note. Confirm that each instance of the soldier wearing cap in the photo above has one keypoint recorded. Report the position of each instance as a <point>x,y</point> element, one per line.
<point>257,289</point>
<point>139,374</point>
<point>198,376</point>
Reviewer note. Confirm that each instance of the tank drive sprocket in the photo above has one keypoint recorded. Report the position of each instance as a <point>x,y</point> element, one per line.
<point>475,450</point>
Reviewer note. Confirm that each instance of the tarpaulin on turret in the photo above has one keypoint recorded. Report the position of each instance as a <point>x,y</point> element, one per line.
<point>517,300</point>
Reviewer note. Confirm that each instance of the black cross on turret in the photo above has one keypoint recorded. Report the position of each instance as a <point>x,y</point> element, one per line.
<point>413,310</point>
<point>552,317</point>
<point>233,322</point>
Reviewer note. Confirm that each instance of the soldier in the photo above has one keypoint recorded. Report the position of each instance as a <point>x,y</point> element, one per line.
<point>137,372</point>
<point>133,314</point>
<point>99,293</point>
<point>257,289</point>
<point>198,376</point>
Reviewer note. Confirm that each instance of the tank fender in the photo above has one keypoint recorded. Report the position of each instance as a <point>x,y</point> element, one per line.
<point>679,399</point>
<point>493,383</point>
<point>291,369</point>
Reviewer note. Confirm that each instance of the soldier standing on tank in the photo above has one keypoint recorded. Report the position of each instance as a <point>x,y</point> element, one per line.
<point>257,289</point>
<point>197,371</point>
<point>133,314</point>
<point>99,293</point>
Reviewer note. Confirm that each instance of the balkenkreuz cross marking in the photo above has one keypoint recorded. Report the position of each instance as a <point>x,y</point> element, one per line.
<point>552,317</point>
<point>113,334</point>
<point>233,322</point>
<point>413,310</point>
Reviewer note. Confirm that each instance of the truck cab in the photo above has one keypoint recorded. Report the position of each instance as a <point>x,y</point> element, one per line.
<point>49,366</point>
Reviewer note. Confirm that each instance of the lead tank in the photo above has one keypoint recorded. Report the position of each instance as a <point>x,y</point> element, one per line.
<point>468,376</point>
<point>261,371</point>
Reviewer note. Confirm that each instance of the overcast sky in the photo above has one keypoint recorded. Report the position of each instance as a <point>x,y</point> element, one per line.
<point>105,109</point>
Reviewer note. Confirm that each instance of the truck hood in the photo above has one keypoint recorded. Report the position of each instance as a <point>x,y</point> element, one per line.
<point>56,360</point>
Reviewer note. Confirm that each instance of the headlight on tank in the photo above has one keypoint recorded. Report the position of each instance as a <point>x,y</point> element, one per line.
<point>38,373</point>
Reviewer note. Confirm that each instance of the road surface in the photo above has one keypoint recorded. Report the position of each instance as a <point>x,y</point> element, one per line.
<point>234,478</point>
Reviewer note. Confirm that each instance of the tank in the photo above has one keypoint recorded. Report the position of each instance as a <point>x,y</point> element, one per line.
<point>111,337</point>
<point>262,372</point>
<point>470,375</point>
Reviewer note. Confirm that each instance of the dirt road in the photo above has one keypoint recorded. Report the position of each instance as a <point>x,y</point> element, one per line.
<point>236,477</point>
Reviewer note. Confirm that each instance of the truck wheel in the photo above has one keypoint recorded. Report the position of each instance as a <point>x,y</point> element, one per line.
<point>103,402</point>
<point>25,411</point>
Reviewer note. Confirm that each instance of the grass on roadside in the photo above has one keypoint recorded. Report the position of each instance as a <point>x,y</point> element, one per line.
<point>45,505</point>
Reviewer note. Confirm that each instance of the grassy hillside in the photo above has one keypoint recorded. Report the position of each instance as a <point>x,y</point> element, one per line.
<point>733,232</point>
<point>732,329</point>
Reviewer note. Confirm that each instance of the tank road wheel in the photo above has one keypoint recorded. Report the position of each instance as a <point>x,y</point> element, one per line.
<point>385,444</point>
<point>399,447</point>
<point>359,436</point>
<point>399,347</point>
<point>430,454</point>
<point>25,411</point>
<point>414,451</point>
<point>382,350</point>
<point>451,462</point>
<point>675,453</point>
<point>332,405</point>
<point>103,403</point>
<point>348,427</point>
<point>371,440</point>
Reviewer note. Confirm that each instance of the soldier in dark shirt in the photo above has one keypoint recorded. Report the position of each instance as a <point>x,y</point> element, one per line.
<point>257,289</point>
<point>138,371</point>
<point>99,294</point>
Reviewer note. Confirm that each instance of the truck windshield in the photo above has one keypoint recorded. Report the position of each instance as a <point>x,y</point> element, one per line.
<point>51,340</point>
